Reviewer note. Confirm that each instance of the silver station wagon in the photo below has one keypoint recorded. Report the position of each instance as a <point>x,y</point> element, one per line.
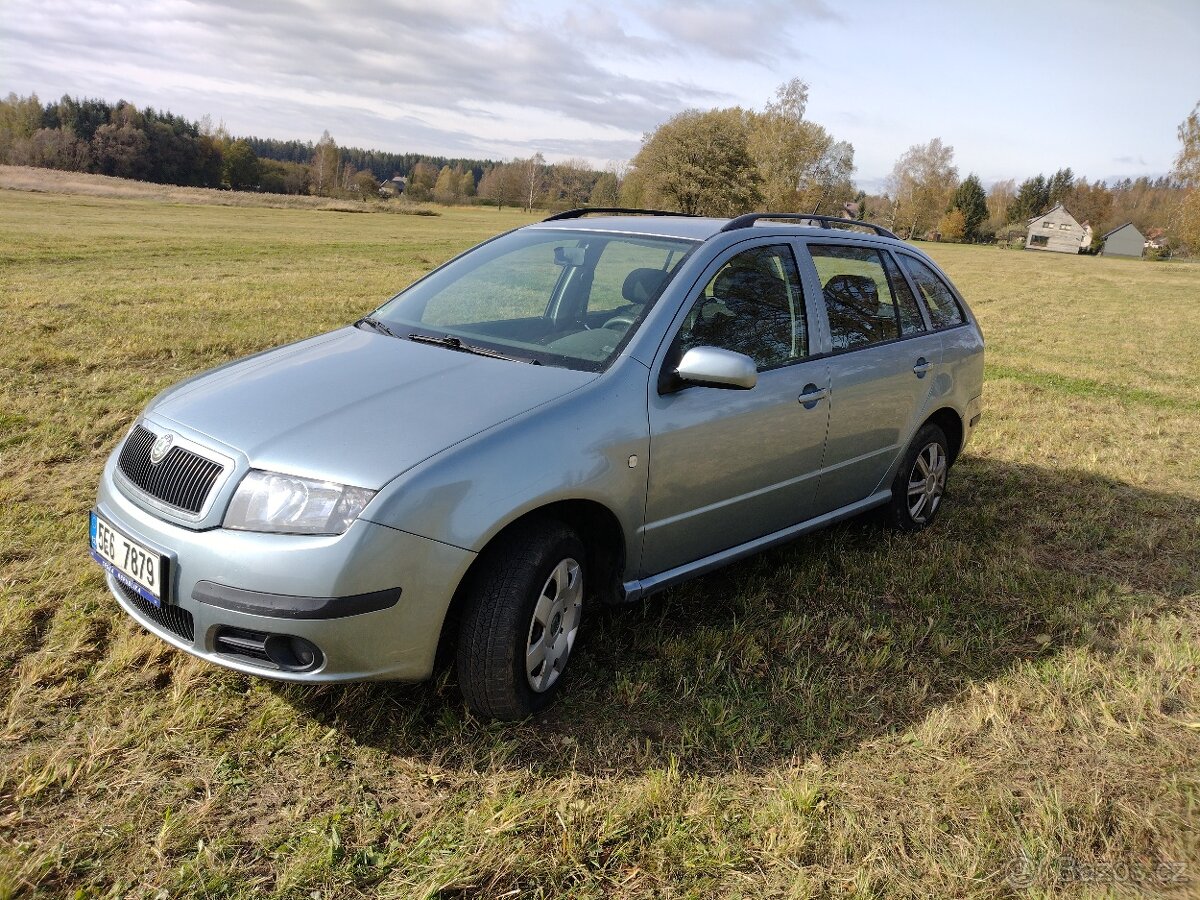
<point>581,411</point>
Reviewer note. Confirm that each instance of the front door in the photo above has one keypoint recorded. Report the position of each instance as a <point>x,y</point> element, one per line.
<point>728,466</point>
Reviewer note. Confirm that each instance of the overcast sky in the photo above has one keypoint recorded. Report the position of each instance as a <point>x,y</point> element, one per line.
<point>1017,87</point>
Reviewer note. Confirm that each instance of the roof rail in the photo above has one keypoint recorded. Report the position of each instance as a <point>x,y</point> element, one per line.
<point>824,221</point>
<point>622,210</point>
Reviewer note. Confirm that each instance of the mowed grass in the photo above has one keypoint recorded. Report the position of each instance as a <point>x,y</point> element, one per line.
<point>961,713</point>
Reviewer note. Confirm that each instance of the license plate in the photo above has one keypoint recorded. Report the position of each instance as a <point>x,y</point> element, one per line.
<point>131,563</point>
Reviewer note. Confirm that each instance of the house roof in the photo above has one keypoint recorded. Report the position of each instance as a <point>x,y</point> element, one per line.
<point>1052,209</point>
<point>1126,225</point>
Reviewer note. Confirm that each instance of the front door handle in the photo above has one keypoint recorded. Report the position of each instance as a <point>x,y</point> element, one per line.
<point>921,367</point>
<point>812,395</point>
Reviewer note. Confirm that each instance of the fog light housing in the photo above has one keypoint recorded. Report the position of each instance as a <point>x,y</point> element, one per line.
<point>293,654</point>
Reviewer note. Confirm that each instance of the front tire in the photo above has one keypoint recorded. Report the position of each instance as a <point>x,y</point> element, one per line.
<point>920,481</point>
<point>521,620</point>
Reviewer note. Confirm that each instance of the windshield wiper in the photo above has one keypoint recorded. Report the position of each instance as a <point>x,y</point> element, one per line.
<point>374,323</point>
<point>454,343</point>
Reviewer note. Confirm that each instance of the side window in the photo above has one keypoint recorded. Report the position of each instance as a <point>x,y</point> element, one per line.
<point>944,310</point>
<point>858,297</point>
<point>753,305</point>
<point>906,304</point>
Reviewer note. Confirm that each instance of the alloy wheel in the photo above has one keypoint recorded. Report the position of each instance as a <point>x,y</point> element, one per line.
<point>927,482</point>
<point>554,625</point>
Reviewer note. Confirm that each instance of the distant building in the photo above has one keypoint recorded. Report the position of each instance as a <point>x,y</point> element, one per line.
<point>393,187</point>
<point>1057,230</point>
<point>1156,239</point>
<point>1124,241</point>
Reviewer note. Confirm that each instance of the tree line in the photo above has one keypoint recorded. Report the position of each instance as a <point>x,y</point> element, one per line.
<point>381,163</point>
<point>122,140</point>
<point>119,139</point>
<point>717,162</point>
<point>924,198</point>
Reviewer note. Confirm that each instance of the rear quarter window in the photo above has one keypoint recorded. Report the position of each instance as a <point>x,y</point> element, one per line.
<point>944,310</point>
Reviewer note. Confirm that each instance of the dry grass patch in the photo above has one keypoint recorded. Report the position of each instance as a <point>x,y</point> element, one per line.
<point>53,181</point>
<point>960,713</point>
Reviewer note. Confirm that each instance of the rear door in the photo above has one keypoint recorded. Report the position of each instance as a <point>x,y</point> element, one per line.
<point>962,344</point>
<point>883,356</point>
<point>728,466</point>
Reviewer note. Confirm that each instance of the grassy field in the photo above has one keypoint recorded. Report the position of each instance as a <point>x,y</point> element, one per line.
<point>54,181</point>
<point>986,709</point>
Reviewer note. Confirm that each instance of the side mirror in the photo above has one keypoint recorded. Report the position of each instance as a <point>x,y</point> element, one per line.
<point>717,368</point>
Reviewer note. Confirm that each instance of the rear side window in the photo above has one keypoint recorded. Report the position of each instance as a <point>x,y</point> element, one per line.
<point>858,296</point>
<point>944,310</point>
<point>906,304</point>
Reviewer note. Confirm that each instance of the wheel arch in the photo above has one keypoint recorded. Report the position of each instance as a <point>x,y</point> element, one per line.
<point>951,423</point>
<point>603,538</point>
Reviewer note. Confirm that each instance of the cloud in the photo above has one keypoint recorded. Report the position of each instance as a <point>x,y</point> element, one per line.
<point>757,32</point>
<point>1131,160</point>
<point>455,76</point>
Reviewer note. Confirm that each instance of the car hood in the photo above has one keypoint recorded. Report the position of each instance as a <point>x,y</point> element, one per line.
<point>356,406</point>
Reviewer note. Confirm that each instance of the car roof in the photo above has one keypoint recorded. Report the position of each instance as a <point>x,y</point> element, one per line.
<point>695,228</point>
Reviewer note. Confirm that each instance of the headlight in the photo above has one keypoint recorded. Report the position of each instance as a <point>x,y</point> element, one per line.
<point>268,501</point>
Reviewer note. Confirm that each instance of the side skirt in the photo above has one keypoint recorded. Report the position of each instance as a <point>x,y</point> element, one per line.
<point>644,587</point>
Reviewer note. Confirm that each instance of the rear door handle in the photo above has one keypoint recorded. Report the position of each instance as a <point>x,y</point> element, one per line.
<point>921,367</point>
<point>812,394</point>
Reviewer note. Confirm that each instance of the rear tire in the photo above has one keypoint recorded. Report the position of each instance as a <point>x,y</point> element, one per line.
<point>521,620</point>
<point>920,482</point>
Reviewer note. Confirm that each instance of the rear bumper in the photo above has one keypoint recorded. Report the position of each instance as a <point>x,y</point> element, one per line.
<point>372,600</point>
<point>974,413</point>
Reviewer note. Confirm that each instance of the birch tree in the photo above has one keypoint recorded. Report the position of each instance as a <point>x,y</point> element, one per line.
<point>800,165</point>
<point>1187,171</point>
<point>921,184</point>
<point>324,166</point>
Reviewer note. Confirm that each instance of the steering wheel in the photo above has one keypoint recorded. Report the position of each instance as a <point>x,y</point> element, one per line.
<point>619,323</point>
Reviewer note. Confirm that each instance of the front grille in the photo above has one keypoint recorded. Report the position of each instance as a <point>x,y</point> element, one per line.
<point>182,479</point>
<point>175,619</point>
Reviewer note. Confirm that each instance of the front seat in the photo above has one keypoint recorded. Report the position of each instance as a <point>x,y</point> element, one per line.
<point>641,286</point>
<point>750,314</point>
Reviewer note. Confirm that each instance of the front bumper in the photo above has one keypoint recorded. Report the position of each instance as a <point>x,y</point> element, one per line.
<point>225,579</point>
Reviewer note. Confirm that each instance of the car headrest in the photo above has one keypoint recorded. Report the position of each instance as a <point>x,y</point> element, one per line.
<point>748,284</point>
<point>857,291</point>
<point>642,285</point>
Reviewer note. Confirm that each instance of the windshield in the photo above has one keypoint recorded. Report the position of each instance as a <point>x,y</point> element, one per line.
<point>560,298</point>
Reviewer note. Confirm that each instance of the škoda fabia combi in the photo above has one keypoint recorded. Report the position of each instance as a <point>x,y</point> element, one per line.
<point>584,410</point>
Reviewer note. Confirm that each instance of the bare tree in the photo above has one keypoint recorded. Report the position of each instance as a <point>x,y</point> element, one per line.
<point>999,202</point>
<point>571,182</point>
<point>503,184</point>
<point>533,179</point>
<point>325,166</point>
